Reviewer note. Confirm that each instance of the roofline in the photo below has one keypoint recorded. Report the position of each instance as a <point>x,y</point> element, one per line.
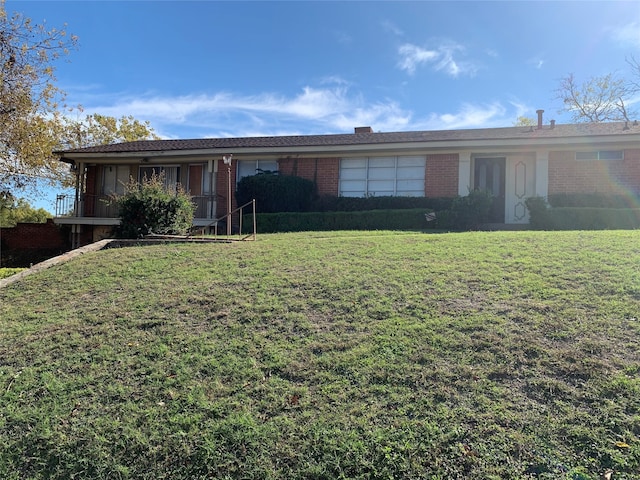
<point>457,145</point>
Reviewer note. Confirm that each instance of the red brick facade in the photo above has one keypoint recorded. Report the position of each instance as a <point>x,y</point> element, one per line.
<point>325,172</point>
<point>31,236</point>
<point>441,175</point>
<point>568,175</point>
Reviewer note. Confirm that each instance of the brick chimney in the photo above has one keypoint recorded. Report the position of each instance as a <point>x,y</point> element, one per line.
<point>539,112</point>
<point>363,130</point>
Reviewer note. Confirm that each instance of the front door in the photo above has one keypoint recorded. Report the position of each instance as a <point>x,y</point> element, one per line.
<point>489,175</point>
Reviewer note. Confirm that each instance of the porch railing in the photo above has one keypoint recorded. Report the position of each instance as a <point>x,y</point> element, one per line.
<point>103,206</point>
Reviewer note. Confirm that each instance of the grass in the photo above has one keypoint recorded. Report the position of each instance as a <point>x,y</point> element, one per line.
<point>328,355</point>
<point>7,272</point>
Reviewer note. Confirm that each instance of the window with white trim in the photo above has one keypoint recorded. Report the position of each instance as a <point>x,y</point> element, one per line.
<point>246,168</point>
<point>382,176</point>
<point>114,178</point>
<point>171,174</point>
<point>600,155</point>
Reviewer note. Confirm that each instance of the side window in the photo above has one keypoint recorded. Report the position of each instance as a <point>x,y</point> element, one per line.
<point>114,178</point>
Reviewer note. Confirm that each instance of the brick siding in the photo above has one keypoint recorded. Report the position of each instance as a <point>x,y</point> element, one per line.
<point>323,171</point>
<point>441,175</point>
<point>31,236</point>
<point>568,175</point>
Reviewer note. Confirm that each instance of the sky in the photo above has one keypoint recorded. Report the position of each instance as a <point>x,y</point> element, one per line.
<point>198,69</point>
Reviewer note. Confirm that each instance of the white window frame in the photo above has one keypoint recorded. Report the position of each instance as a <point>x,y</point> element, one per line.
<point>381,176</point>
<point>600,155</point>
<point>117,183</point>
<point>161,169</point>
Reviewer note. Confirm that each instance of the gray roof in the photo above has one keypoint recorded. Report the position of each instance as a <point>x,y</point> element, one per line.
<point>531,134</point>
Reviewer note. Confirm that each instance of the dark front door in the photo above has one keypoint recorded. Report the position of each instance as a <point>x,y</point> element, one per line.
<point>489,174</point>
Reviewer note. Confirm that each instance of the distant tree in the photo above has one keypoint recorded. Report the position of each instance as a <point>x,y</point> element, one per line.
<point>605,98</point>
<point>13,211</point>
<point>29,100</point>
<point>523,121</point>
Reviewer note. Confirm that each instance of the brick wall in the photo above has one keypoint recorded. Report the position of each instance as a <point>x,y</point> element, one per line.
<point>30,236</point>
<point>441,176</point>
<point>324,171</point>
<point>567,175</point>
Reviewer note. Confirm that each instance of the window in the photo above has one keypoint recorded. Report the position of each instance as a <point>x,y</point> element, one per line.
<point>246,168</point>
<point>600,155</point>
<point>171,174</point>
<point>382,176</point>
<point>114,178</point>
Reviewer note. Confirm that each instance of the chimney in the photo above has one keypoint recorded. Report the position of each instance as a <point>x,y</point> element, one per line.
<point>539,112</point>
<point>552,123</point>
<point>363,130</point>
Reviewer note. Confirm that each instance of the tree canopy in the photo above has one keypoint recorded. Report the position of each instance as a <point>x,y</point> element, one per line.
<point>34,122</point>
<point>29,99</point>
<point>604,98</point>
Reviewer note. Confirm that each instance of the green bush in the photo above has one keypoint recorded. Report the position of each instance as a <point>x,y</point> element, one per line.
<point>276,193</point>
<point>567,218</point>
<point>542,217</point>
<point>328,203</point>
<point>539,217</point>
<point>597,200</point>
<point>466,213</point>
<point>413,219</point>
<point>151,207</point>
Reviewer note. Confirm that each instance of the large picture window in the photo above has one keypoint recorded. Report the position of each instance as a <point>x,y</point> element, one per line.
<point>600,155</point>
<point>246,168</point>
<point>382,176</point>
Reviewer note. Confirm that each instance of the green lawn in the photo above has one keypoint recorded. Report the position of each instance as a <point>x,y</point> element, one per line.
<point>328,355</point>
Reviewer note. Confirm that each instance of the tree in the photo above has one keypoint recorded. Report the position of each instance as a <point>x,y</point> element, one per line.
<point>29,123</point>
<point>13,211</point>
<point>523,121</point>
<point>604,98</point>
<point>99,129</point>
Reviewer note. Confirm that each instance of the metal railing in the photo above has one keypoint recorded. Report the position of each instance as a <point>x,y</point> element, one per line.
<point>65,205</point>
<point>228,219</point>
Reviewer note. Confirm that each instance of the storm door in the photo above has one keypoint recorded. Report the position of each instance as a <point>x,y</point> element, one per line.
<point>489,175</point>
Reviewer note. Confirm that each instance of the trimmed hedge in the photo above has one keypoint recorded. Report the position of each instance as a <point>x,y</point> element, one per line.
<point>580,218</point>
<point>276,193</point>
<point>571,218</point>
<point>329,203</point>
<point>597,200</point>
<point>413,219</point>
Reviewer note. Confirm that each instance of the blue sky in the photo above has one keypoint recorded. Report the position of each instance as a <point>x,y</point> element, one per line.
<point>218,69</point>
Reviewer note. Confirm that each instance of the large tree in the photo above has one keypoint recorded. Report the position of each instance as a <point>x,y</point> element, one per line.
<point>605,98</point>
<point>96,129</point>
<point>29,99</point>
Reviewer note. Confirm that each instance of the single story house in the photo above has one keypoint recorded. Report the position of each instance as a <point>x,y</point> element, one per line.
<point>514,163</point>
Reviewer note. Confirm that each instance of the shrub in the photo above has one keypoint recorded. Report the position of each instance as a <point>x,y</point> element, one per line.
<point>327,203</point>
<point>467,213</point>
<point>539,217</point>
<point>276,193</point>
<point>151,207</point>
<point>596,200</point>
<point>413,219</point>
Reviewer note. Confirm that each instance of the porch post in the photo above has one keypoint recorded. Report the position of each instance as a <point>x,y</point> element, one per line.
<point>464,173</point>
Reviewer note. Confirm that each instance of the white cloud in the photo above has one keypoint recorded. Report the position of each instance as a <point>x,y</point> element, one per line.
<point>391,27</point>
<point>328,109</point>
<point>628,35</point>
<point>468,116</point>
<point>440,58</point>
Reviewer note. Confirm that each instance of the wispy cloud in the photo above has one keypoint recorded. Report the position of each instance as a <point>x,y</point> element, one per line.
<point>329,108</point>
<point>392,28</point>
<point>442,58</point>
<point>627,35</point>
<point>469,116</point>
<point>537,62</point>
